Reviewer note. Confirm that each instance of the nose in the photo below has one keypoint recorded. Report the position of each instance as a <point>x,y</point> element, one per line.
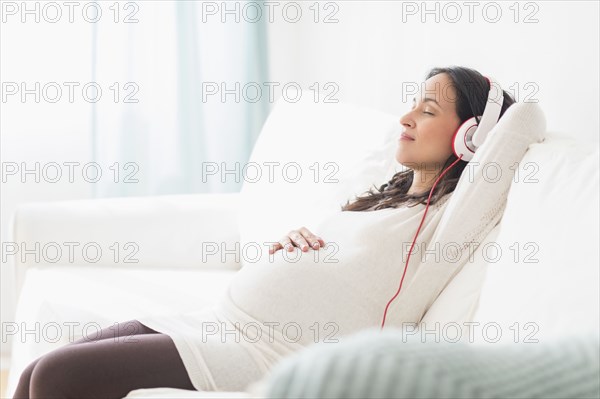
<point>406,121</point>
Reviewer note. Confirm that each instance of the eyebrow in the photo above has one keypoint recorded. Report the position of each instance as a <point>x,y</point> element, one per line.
<point>428,99</point>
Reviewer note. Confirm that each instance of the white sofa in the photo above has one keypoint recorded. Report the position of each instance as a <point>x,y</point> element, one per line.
<point>352,147</point>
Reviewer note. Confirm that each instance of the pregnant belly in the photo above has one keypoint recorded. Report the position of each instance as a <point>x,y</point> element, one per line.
<point>347,283</point>
<point>321,292</point>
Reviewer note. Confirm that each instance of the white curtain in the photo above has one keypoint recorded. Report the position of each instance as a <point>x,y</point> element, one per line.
<point>158,129</point>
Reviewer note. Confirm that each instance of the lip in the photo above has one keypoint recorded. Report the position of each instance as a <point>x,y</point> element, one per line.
<point>405,136</point>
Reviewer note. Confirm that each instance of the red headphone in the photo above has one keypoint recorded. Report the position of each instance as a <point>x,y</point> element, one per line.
<point>469,136</point>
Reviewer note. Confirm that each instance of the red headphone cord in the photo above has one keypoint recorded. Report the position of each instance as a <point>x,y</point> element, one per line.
<point>415,239</point>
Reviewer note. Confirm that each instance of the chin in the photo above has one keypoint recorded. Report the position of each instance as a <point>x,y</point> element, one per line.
<point>401,156</point>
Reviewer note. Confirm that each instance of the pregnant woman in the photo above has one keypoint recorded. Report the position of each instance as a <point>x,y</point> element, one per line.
<point>353,271</point>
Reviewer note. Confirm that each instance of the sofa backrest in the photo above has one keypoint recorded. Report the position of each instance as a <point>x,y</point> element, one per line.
<point>549,275</point>
<point>537,275</point>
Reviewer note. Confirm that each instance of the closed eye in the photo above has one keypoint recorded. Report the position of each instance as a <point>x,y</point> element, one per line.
<point>428,113</point>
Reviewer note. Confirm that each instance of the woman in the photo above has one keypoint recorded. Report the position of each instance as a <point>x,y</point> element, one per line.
<point>274,308</point>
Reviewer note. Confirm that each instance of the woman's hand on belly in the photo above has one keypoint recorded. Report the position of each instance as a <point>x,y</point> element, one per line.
<point>301,238</point>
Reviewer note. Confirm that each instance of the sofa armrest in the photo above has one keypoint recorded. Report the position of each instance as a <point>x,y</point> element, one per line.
<point>168,231</point>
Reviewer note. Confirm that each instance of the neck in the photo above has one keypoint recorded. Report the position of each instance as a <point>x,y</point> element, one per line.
<point>422,181</point>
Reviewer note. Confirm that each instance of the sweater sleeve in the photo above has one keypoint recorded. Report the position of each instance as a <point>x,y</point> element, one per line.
<point>477,203</point>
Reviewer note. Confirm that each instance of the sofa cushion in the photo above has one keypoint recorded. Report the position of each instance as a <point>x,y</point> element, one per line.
<point>60,304</point>
<point>173,393</point>
<point>321,155</point>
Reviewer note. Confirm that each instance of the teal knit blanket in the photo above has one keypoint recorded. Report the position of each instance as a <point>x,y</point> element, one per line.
<point>380,364</point>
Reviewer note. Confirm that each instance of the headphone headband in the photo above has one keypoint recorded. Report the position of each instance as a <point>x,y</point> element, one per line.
<point>491,114</point>
<point>471,135</point>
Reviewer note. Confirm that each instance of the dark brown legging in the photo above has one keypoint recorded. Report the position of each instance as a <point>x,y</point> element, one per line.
<point>122,358</point>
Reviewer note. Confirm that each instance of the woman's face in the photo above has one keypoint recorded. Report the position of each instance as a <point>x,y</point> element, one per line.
<point>431,123</point>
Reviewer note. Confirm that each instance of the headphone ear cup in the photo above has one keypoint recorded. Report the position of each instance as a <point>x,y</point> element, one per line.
<point>463,139</point>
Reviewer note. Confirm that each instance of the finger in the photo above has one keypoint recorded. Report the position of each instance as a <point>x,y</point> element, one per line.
<point>274,248</point>
<point>299,240</point>
<point>286,243</point>
<point>314,241</point>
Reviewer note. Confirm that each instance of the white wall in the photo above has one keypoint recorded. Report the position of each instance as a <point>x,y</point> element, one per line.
<point>371,52</point>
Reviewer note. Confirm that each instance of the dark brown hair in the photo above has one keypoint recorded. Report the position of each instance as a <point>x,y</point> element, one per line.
<point>472,90</point>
